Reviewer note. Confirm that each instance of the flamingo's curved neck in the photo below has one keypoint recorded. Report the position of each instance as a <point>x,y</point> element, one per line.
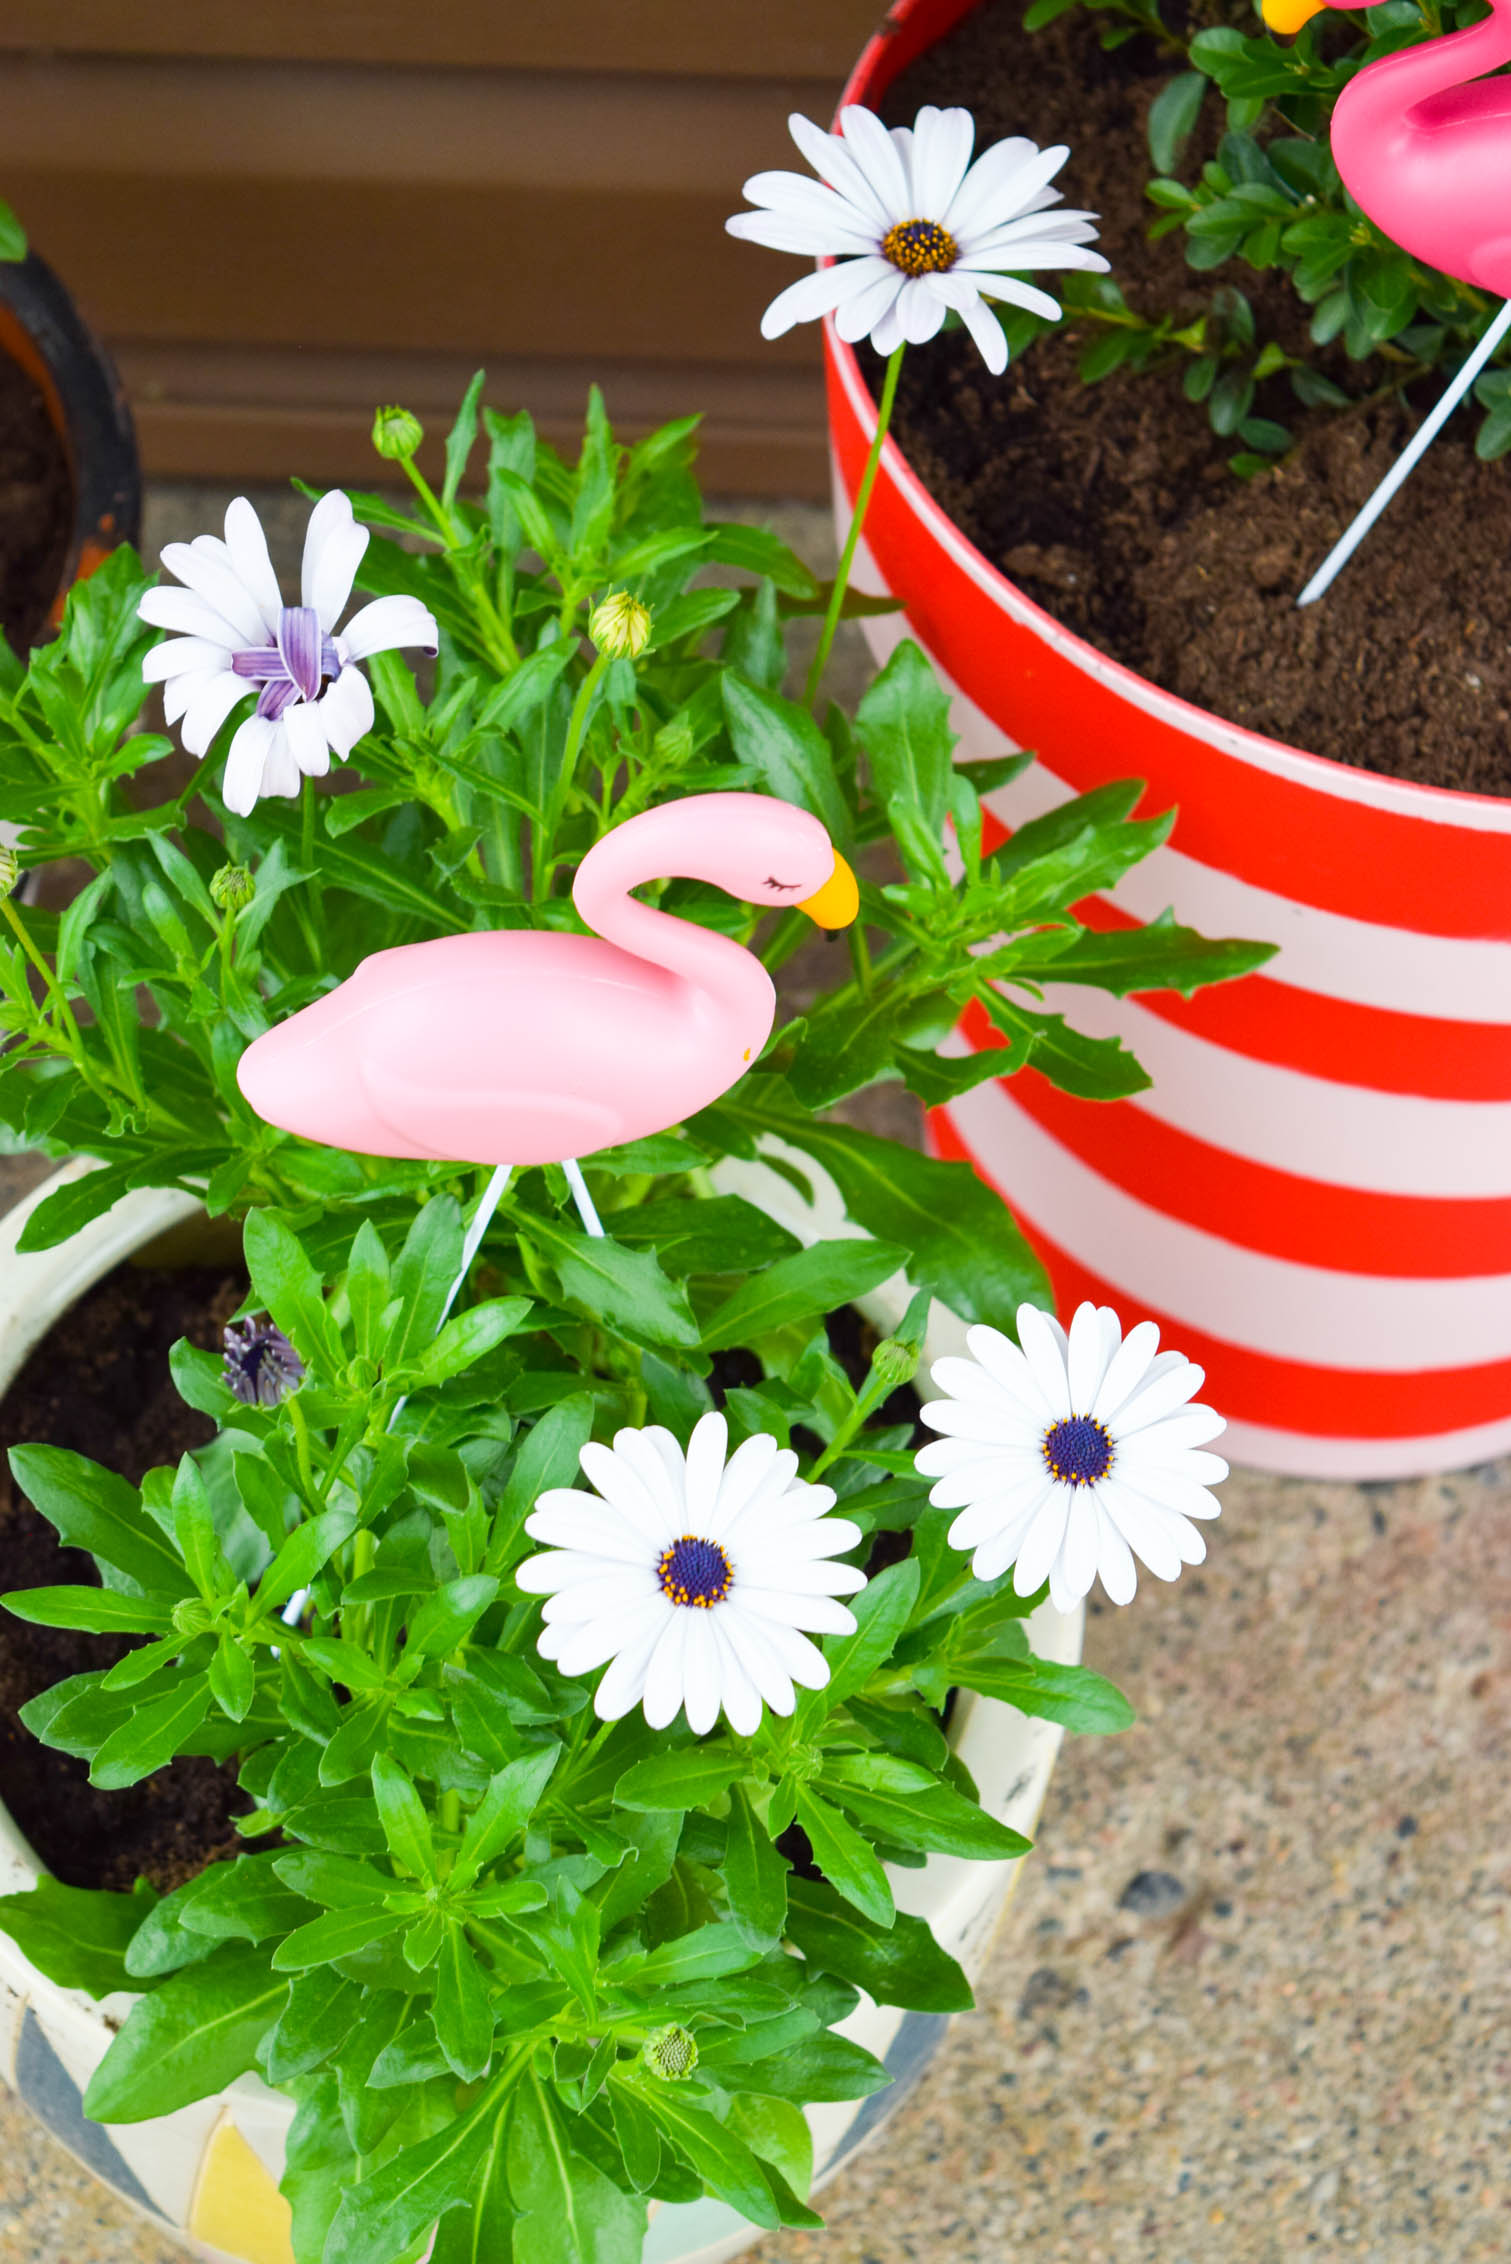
<point>1382,96</point>
<point>714,964</point>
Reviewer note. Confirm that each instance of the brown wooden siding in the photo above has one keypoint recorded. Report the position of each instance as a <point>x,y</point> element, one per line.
<point>278,214</point>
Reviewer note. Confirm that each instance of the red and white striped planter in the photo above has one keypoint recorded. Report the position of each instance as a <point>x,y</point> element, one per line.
<point>1314,1200</point>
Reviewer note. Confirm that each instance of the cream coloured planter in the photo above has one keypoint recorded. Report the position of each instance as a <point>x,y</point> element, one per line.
<point>209,2173</point>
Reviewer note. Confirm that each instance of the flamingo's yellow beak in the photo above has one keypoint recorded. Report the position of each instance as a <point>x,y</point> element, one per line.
<point>837,902</point>
<point>1288,16</point>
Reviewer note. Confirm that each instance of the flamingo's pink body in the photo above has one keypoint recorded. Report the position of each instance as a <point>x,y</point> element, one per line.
<point>1423,142</point>
<point>527,1047</point>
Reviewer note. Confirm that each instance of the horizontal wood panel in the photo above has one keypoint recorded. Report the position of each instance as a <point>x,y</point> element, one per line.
<point>809,38</point>
<point>355,208</point>
<point>208,412</point>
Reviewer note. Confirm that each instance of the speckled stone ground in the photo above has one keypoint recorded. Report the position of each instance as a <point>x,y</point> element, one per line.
<point>1251,2003</point>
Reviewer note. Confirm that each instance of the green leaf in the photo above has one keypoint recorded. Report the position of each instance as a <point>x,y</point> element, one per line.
<point>340,1933</point>
<point>445,1619</point>
<point>467,1336</point>
<point>91,1508</point>
<point>187,2039</point>
<point>897,1965</point>
<point>760,552</point>
<point>626,1288</point>
<point>570,2213</point>
<point>882,1610</point>
<point>939,1819</point>
<point>308,1549</point>
<point>706,1954</point>
<point>963,1243</point>
<point>1158,956</point>
<point>785,747</point>
<point>77,1936</point>
<point>60,1215</point>
<point>548,1458</point>
<point>289,1286</point>
<point>903,722</point>
<point>503,1812</point>
<point>155,1734</point>
<point>822,2067</point>
<point>406,1827</point>
<point>242,1901</point>
<point>727,2166</point>
<point>1072,1695</point>
<point>101,1611</point>
<point>463,2010</point>
<point>814,1281</point>
<point>845,1859</point>
<point>692,1776</point>
<point>755,1874</point>
<point>461,439</point>
<point>397,2204</point>
<point>12,234</point>
<point>1172,116</point>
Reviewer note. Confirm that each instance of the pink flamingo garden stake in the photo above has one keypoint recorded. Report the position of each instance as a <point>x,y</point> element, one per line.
<point>1422,140</point>
<point>528,1046</point>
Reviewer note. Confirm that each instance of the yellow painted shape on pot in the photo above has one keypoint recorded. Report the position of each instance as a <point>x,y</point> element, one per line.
<point>237,2207</point>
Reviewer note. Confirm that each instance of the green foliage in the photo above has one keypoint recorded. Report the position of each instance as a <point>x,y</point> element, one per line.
<point>472,1902</point>
<point>1271,198</point>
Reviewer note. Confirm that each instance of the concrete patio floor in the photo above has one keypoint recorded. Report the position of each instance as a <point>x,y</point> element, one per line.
<point>1251,2003</point>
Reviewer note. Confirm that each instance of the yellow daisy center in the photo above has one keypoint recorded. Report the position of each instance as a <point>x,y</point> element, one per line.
<point>920,247</point>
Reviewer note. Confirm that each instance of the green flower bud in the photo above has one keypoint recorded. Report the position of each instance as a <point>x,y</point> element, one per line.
<point>397,434</point>
<point>232,888</point>
<point>10,868</point>
<point>192,1617</point>
<point>620,626</point>
<point>894,1363</point>
<point>671,2053</point>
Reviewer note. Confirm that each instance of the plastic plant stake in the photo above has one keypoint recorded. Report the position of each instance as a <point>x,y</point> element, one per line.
<point>1404,465</point>
<point>1424,148</point>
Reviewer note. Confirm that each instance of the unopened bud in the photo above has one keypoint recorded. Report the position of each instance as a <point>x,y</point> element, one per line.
<point>894,1363</point>
<point>232,888</point>
<point>397,434</point>
<point>10,868</point>
<point>620,626</point>
<point>671,2053</point>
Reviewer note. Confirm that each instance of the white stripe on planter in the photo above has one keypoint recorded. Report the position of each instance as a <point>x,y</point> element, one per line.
<point>1344,1135</point>
<point>1292,1312</point>
<point>1260,1448</point>
<point>1446,977</point>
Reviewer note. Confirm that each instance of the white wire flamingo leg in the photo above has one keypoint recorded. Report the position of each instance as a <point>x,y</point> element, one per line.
<point>1404,465</point>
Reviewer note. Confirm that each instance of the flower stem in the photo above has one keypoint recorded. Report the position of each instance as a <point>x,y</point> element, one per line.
<point>857,521</point>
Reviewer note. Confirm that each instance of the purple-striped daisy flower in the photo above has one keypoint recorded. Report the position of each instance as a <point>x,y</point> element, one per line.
<point>235,638</point>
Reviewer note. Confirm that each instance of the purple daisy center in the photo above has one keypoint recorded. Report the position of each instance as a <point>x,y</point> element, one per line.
<point>1078,1451</point>
<point>694,1572</point>
<point>294,666</point>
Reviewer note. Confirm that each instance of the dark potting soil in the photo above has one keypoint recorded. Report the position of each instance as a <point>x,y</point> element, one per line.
<point>1111,505</point>
<point>36,507</point>
<point>99,1384</point>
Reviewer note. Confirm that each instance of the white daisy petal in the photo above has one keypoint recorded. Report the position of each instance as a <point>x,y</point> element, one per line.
<point>346,711</point>
<point>1008,1365</point>
<point>1077,1559</point>
<point>704,1687</point>
<point>664,1677</point>
<point>207,709</point>
<point>920,310</point>
<point>280,772</point>
<point>1115,1566</point>
<point>242,784</point>
<point>1090,1353</point>
<point>334,545</point>
<point>304,729</point>
<point>860,316</point>
<point>218,587</point>
<point>178,654</point>
<point>792,196</point>
<point>746,1470</point>
<point>1143,1527</point>
<point>1044,1348</point>
<point>385,625</point>
<point>1126,1370</point>
<point>1162,1442</point>
<point>1158,1397</point>
<point>247,550</point>
<point>818,1615</point>
<point>1012,293</point>
<point>623,1486</point>
<point>833,163</point>
<point>180,610</point>
<point>1042,1542</point>
<point>624,1684</point>
<point>827,288</point>
<point>786,232</point>
<point>751,1644</point>
<point>942,145</point>
<point>980,196</point>
<point>705,1467</point>
<point>180,693</point>
<point>880,159</point>
<point>987,333</point>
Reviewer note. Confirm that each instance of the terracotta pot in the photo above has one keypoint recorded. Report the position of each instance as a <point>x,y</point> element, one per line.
<point>209,2173</point>
<point>42,330</point>
<point>1315,1198</point>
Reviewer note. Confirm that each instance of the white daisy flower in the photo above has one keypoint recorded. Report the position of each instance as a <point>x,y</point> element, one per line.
<point>1074,1455</point>
<point>914,229</point>
<point>693,1575</point>
<point>236,637</point>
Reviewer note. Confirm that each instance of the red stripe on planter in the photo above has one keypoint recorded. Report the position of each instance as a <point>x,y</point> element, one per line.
<point>1254,1387</point>
<point>1308,841</point>
<point>1306,1221</point>
<point>1332,1038</point>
